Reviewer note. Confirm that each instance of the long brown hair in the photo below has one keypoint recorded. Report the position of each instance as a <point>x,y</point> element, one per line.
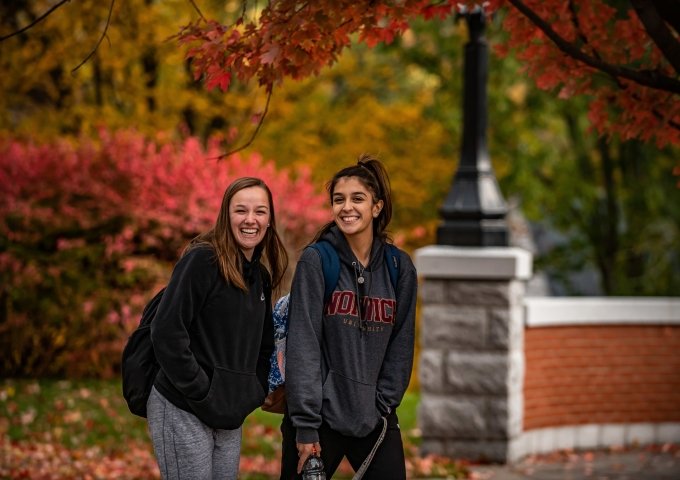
<point>372,174</point>
<point>226,248</point>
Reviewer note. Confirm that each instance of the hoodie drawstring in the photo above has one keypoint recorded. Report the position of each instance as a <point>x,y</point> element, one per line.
<point>356,285</point>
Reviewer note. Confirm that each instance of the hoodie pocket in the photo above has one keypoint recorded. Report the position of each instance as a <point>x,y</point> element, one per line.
<point>349,405</point>
<point>232,397</point>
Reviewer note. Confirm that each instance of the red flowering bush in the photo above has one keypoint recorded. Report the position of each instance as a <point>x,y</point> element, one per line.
<point>89,230</point>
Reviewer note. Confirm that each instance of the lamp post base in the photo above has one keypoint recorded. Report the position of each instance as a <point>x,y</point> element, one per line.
<point>473,233</point>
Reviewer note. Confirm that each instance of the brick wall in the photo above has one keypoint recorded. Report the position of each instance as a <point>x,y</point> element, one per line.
<point>601,374</point>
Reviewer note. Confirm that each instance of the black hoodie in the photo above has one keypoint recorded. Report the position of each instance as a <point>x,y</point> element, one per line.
<point>213,340</point>
<point>342,368</point>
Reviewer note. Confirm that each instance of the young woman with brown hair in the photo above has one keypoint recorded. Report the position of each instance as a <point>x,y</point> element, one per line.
<point>213,336</point>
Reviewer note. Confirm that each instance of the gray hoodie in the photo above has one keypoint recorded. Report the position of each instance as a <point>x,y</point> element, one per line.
<point>341,368</point>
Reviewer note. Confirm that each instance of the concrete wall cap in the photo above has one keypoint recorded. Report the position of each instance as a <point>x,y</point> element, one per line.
<point>567,311</point>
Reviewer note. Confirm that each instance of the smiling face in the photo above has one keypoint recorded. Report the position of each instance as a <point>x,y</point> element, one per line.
<point>249,214</point>
<point>354,207</point>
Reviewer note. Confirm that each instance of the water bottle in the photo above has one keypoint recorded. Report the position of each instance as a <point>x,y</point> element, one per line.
<point>313,468</point>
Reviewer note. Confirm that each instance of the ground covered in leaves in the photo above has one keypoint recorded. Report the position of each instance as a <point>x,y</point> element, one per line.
<point>62,429</point>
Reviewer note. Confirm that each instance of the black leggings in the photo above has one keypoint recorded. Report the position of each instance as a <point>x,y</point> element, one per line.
<point>388,461</point>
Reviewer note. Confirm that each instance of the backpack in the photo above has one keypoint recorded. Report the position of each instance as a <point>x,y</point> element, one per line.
<point>330,265</point>
<point>139,366</point>
<point>275,401</point>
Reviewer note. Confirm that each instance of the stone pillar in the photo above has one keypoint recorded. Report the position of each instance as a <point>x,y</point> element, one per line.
<point>471,366</point>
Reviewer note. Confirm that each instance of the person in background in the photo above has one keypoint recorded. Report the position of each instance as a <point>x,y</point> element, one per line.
<point>349,360</point>
<point>213,336</point>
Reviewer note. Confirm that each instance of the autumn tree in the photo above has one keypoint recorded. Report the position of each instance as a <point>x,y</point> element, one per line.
<point>624,55</point>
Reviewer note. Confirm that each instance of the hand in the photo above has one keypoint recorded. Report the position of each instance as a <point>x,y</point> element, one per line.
<point>305,450</point>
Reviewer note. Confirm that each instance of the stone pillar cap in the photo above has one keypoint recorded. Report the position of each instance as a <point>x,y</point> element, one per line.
<point>481,263</point>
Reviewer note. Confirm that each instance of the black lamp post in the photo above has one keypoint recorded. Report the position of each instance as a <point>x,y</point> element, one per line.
<point>474,210</point>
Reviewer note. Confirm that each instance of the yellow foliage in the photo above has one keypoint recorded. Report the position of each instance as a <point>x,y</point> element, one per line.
<point>137,78</point>
<point>365,104</point>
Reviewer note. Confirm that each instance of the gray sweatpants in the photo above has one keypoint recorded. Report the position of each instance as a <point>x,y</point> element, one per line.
<point>186,448</point>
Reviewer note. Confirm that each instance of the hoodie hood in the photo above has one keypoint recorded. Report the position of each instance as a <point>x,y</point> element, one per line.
<point>336,238</point>
<point>251,268</point>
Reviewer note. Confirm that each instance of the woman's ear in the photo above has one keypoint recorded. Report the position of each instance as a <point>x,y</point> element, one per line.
<point>377,208</point>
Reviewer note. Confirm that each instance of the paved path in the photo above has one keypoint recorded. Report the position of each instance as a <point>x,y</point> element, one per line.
<point>661,463</point>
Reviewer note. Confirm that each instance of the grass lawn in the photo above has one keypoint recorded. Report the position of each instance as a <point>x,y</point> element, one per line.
<point>65,429</point>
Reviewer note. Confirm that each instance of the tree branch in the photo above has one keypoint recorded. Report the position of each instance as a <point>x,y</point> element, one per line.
<point>577,26</point>
<point>670,12</point>
<point>584,39</point>
<point>648,79</point>
<point>658,31</point>
<point>200,14</point>
<point>94,50</point>
<point>270,89</point>
<point>663,118</point>
<point>36,21</point>
<point>574,19</point>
